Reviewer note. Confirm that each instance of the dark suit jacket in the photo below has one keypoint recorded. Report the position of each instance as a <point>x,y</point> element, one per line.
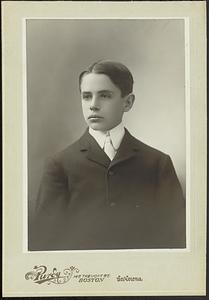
<point>87,201</point>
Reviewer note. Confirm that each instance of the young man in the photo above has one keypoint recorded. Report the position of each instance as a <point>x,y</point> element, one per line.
<point>108,190</point>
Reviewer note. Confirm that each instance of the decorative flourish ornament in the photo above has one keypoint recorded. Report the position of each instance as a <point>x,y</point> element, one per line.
<point>40,275</point>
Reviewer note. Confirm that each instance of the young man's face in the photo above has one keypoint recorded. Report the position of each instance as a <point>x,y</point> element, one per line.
<point>102,103</point>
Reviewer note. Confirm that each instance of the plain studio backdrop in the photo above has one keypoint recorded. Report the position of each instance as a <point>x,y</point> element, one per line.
<point>58,50</point>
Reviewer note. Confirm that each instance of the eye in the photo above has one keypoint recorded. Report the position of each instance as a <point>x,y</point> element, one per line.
<point>86,96</point>
<point>105,95</point>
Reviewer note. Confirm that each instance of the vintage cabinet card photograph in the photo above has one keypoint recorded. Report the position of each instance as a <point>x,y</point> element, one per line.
<point>104,148</point>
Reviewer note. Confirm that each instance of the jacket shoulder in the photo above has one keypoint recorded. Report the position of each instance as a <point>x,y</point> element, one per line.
<point>69,151</point>
<point>148,150</point>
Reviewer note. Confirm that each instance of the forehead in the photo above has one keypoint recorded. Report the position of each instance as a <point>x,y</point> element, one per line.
<point>97,82</point>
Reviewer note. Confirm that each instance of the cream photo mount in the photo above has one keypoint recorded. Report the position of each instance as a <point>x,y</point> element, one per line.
<point>101,272</point>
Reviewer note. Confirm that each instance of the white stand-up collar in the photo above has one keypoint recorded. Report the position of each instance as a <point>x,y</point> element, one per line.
<point>116,135</point>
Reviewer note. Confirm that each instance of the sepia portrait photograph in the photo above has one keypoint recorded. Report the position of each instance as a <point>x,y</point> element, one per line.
<point>106,134</point>
<point>104,148</point>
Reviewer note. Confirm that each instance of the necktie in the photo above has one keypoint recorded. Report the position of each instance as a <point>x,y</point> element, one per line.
<point>108,147</point>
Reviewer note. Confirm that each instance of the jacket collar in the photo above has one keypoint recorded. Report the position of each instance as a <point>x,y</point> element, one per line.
<point>128,148</point>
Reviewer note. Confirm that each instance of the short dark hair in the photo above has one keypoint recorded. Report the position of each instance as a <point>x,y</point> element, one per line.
<point>117,72</point>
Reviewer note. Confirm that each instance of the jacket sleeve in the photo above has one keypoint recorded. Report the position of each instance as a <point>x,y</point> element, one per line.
<point>48,222</point>
<point>171,205</point>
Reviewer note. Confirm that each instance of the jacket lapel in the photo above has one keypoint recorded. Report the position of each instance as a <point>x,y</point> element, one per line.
<point>93,151</point>
<point>128,148</point>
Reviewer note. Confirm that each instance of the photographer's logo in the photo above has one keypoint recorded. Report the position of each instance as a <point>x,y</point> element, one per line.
<point>40,274</point>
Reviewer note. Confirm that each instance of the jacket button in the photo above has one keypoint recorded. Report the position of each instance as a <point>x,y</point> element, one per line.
<point>112,204</point>
<point>111,173</point>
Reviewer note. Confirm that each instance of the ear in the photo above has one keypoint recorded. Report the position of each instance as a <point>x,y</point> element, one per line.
<point>128,102</point>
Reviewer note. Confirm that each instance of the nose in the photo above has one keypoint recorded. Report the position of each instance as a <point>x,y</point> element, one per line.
<point>94,106</point>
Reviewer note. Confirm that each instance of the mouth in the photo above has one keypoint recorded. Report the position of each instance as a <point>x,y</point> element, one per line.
<point>95,117</point>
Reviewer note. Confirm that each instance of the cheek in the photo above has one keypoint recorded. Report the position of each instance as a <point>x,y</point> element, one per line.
<point>84,105</point>
<point>84,109</point>
<point>116,108</point>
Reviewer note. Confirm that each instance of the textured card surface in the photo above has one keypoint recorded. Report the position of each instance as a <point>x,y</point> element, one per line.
<point>46,45</point>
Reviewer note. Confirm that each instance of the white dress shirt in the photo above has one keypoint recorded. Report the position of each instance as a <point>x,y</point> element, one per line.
<point>116,135</point>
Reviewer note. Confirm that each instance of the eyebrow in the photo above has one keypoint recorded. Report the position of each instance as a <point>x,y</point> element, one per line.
<point>101,91</point>
<point>105,91</point>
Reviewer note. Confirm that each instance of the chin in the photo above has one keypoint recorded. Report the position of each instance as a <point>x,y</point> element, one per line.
<point>97,127</point>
